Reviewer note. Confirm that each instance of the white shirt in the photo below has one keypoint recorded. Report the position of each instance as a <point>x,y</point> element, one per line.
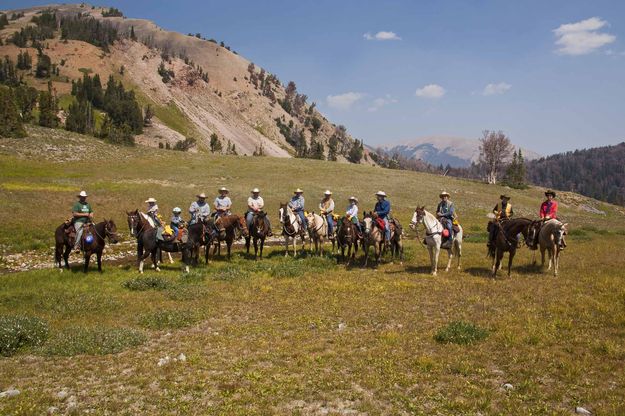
<point>352,210</point>
<point>255,203</point>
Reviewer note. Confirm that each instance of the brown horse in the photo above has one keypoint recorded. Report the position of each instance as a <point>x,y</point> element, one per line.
<point>93,241</point>
<point>397,245</point>
<point>347,237</point>
<point>507,240</point>
<point>229,227</point>
<point>372,236</point>
<point>258,232</point>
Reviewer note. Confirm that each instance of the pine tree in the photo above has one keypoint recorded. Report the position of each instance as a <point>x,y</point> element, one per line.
<point>215,144</point>
<point>80,118</point>
<point>44,66</point>
<point>10,120</point>
<point>26,100</point>
<point>355,153</point>
<point>48,108</point>
<point>147,118</point>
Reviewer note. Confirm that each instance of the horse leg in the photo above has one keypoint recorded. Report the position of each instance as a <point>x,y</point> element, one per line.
<point>99,258</point>
<point>87,257</point>
<point>556,261</point>
<point>510,257</point>
<point>542,257</point>
<point>459,253</point>
<point>247,244</point>
<point>68,249</point>
<point>450,256</point>
<point>437,253</point>
<point>171,261</point>
<point>550,255</point>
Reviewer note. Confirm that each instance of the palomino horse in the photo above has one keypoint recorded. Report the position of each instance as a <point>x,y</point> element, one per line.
<point>372,236</point>
<point>233,226</point>
<point>317,231</point>
<point>433,238</point>
<point>258,232</point>
<point>291,228</point>
<point>551,239</point>
<point>507,240</point>
<point>100,232</point>
<point>346,237</point>
<point>148,245</point>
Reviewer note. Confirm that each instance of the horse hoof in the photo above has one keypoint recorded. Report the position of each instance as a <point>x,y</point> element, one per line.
<point>446,270</point>
<point>157,269</point>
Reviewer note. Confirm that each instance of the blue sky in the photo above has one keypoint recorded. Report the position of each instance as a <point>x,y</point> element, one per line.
<point>551,74</point>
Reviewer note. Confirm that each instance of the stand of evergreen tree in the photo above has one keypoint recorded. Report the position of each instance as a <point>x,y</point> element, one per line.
<point>516,172</point>
<point>10,121</point>
<point>80,117</point>
<point>88,29</point>
<point>48,108</point>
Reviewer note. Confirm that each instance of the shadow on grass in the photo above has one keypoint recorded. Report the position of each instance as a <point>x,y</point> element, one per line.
<point>527,269</point>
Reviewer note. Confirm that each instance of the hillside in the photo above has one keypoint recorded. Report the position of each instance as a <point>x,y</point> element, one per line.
<point>597,172</point>
<point>210,89</point>
<point>456,152</point>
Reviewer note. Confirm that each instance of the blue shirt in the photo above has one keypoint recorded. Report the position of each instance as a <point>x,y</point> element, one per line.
<point>297,203</point>
<point>383,208</point>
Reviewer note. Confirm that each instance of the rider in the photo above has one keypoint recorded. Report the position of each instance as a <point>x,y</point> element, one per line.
<point>549,208</point>
<point>383,209</point>
<point>177,223</point>
<point>352,212</point>
<point>326,206</point>
<point>199,209</point>
<point>153,211</point>
<point>503,212</point>
<point>222,203</point>
<point>297,205</point>
<point>81,213</point>
<point>256,204</point>
<point>447,210</point>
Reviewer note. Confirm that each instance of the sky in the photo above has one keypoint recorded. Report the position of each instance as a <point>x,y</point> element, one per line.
<point>550,74</point>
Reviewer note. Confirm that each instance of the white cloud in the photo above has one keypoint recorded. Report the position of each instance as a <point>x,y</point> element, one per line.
<point>382,35</point>
<point>496,89</point>
<point>430,91</point>
<point>343,101</point>
<point>381,102</point>
<point>582,37</point>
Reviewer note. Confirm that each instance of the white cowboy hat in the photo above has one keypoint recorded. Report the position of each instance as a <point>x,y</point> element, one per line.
<point>255,191</point>
<point>177,209</point>
<point>444,193</point>
<point>298,191</point>
<point>202,195</point>
<point>150,199</point>
<point>353,198</point>
<point>223,189</point>
<point>327,192</point>
<point>82,194</point>
<point>380,193</point>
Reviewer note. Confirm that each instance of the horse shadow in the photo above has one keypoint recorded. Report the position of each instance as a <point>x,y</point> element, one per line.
<point>527,269</point>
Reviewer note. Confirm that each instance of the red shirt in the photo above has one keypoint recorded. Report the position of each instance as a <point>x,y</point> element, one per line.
<point>549,209</point>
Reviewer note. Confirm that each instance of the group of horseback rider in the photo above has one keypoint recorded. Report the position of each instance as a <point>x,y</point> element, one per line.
<point>503,212</point>
<point>200,211</point>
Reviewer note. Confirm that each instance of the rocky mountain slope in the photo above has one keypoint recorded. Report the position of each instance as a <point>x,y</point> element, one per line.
<point>211,91</point>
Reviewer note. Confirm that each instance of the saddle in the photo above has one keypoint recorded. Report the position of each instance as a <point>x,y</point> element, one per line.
<point>379,222</point>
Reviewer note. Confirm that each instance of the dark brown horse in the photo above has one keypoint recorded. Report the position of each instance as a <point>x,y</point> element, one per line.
<point>347,237</point>
<point>258,232</point>
<point>93,241</point>
<point>229,227</point>
<point>507,240</point>
<point>148,245</point>
<point>397,245</point>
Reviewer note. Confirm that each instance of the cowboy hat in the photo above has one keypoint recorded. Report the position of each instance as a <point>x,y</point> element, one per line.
<point>177,209</point>
<point>255,191</point>
<point>223,189</point>
<point>550,192</point>
<point>353,198</point>
<point>82,194</point>
<point>150,199</point>
<point>380,193</point>
<point>502,196</point>
<point>328,192</point>
<point>202,195</point>
<point>298,191</point>
<point>444,193</point>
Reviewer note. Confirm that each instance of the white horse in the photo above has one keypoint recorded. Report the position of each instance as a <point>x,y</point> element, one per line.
<point>433,238</point>
<point>317,231</point>
<point>291,228</point>
<point>550,238</point>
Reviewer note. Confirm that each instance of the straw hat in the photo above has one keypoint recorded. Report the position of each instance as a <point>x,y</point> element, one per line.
<point>353,198</point>
<point>502,196</point>
<point>380,193</point>
<point>150,199</point>
<point>177,210</point>
<point>298,191</point>
<point>202,195</point>
<point>255,191</point>
<point>82,194</point>
<point>327,192</point>
<point>223,189</point>
<point>444,193</point>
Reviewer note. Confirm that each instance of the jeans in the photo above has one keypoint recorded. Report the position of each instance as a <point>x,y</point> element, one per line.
<point>249,217</point>
<point>303,218</point>
<point>78,226</point>
<point>449,225</point>
<point>387,229</point>
<point>330,220</point>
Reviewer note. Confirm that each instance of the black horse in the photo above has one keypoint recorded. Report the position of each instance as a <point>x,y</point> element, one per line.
<point>149,245</point>
<point>93,240</point>
<point>507,240</point>
<point>259,231</point>
<point>347,237</point>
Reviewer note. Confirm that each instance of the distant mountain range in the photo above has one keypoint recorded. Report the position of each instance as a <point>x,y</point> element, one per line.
<point>457,152</point>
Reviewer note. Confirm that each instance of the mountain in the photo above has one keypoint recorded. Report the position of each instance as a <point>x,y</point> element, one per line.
<point>597,172</point>
<point>441,150</point>
<point>195,87</point>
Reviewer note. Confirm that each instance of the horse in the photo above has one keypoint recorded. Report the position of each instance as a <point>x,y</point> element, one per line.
<point>346,237</point>
<point>317,231</point>
<point>433,238</point>
<point>291,228</point>
<point>258,232</point>
<point>372,236</point>
<point>197,236</point>
<point>507,240</point>
<point>396,244</point>
<point>229,226</point>
<point>101,232</point>
<point>551,240</point>
<point>148,245</point>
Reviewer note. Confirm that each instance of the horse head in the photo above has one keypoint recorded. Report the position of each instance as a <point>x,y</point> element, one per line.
<point>368,223</point>
<point>417,217</point>
<point>242,225</point>
<point>110,230</point>
<point>133,221</point>
<point>282,213</point>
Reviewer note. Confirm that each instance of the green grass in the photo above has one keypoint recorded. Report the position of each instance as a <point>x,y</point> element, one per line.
<point>303,335</point>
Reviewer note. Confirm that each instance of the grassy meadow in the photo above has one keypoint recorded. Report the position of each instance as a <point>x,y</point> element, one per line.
<point>298,336</point>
